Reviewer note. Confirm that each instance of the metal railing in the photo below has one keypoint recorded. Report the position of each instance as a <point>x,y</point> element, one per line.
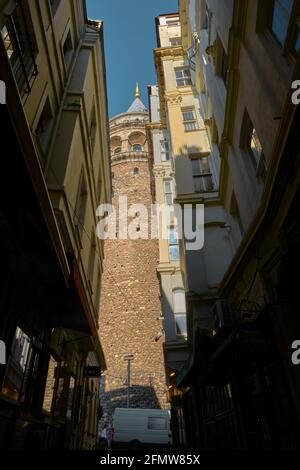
<point>19,45</point>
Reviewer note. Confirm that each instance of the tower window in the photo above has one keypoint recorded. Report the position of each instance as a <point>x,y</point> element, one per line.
<point>136,172</point>
<point>137,148</point>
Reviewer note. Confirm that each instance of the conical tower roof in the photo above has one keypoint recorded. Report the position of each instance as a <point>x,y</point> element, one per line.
<point>137,105</point>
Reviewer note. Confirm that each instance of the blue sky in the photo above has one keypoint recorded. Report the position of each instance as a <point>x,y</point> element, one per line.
<point>130,37</point>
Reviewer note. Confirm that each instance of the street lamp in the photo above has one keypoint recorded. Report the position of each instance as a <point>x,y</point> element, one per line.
<point>128,357</point>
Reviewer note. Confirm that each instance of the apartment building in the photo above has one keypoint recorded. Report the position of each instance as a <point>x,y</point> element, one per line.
<point>169,269</point>
<point>196,178</point>
<point>57,172</point>
<point>243,388</point>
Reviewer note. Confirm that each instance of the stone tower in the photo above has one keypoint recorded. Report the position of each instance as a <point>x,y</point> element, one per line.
<point>130,312</point>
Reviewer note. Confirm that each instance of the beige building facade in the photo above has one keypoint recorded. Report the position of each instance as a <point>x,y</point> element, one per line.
<point>243,58</point>
<point>169,267</point>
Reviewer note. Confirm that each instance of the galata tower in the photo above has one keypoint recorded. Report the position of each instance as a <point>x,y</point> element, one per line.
<point>130,314</point>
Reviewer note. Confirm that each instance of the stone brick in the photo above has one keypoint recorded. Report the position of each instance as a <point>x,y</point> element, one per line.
<point>130,300</point>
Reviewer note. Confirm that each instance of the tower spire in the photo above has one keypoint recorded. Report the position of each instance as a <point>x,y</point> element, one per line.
<point>137,91</point>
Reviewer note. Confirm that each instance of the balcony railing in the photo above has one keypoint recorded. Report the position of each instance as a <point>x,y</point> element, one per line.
<point>17,34</point>
<point>130,154</point>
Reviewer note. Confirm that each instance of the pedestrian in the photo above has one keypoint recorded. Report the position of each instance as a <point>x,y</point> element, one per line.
<point>109,436</point>
<point>103,437</point>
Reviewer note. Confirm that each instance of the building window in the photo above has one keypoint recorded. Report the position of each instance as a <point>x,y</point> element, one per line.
<point>172,22</point>
<point>44,125</point>
<point>175,42</point>
<point>280,19</point>
<point>21,47</point>
<point>202,175</point>
<point>54,6</point>
<point>99,188</point>
<point>223,64</point>
<point>117,150</point>
<point>251,143</point>
<point>92,258</point>
<point>50,385</point>
<point>93,128</point>
<point>21,374</point>
<point>189,119</point>
<point>173,244</point>
<point>98,291</point>
<point>183,76</point>
<point>235,213</point>
<point>81,205</point>
<point>136,172</point>
<point>297,40</point>
<point>165,150</point>
<point>68,49</point>
<point>168,192</point>
<point>202,99</point>
<point>180,312</point>
<point>137,148</point>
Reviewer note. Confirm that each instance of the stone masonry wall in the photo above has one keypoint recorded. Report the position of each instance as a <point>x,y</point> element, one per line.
<point>131,306</point>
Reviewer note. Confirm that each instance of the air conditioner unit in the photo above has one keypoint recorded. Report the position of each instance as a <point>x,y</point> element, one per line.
<point>222,317</point>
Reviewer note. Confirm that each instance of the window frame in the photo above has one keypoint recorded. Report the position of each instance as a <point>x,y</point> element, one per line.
<point>258,160</point>
<point>28,392</point>
<point>168,193</point>
<point>43,143</point>
<point>176,39</point>
<point>81,204</point>
<point>179,312</point>
<point>186,79</point>
<point>173,243</point>
<point>21,60</point>
<point>137,145</point>
<point>264,25</point>
<point>54,6</point>
<point>67,61</point>
<point>190,121</point>
<point>202,175</point>
<point>165,150</point>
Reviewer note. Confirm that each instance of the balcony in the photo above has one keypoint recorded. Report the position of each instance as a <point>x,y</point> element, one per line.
<point>130,155</point>
<point>19,41</point>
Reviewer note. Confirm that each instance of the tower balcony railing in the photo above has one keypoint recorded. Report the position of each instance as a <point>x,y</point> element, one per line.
<point>129,155</point>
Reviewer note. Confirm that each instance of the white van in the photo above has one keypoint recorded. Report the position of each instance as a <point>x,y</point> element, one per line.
<point>138,427</point>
